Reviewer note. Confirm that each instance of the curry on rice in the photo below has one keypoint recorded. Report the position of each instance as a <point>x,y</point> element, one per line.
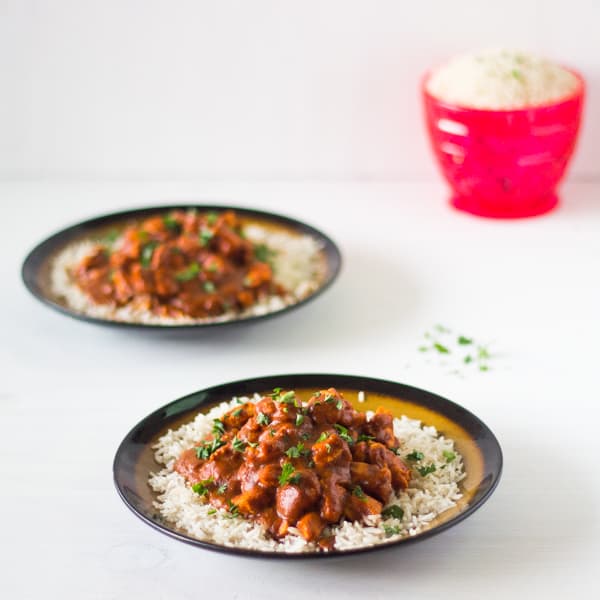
<point>284,463</point>
<point>184,263</point>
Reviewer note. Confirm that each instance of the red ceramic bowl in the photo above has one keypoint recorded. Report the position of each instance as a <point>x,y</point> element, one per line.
<point>504,163</point>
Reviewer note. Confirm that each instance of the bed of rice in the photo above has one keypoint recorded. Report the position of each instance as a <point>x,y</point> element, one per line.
<point>425,499</point>
<point>297,265</point>
<point>501,80</point>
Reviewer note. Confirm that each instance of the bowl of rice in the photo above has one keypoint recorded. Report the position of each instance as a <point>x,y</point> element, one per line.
<point>503,126</point>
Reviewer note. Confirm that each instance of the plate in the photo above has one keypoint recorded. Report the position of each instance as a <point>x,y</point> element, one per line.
<point>36,269</point>
<point>481,453</point>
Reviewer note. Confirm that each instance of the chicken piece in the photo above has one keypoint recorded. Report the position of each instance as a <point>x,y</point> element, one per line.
<point>268,475</point>
<point>381,427</point>
<point>140,280</point>
<point>258,274</point>
<point>310,526</point>
<point>333,500</point>
<point>275,441</point>
<point>294,499</point>
<point>122,290</point>
<point>326,406</point>
<point>253,500</point>
<point>238,416</point>
<point>330,451</point>
<point>360,506</point>
<point>165,283</point>
<point>97,258</point>
<point>382,456</point>
<point>375,480</point>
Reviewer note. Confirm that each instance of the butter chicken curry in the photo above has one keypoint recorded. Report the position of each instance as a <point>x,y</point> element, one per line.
<point>286,464</point>
<point>184,263</point>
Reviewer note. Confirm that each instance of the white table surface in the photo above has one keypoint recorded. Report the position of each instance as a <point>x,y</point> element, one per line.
<point>70,391</point>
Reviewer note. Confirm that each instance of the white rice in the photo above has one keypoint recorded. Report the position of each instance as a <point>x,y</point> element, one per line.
<point>425,499</point>
<point>297,263</point>
<point>501,80</point>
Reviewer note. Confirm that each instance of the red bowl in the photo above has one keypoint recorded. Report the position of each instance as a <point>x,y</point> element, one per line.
<point>504,163</point>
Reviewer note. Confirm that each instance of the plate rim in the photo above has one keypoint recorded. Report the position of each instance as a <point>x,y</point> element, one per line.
<point>251,553</point>
<point>40,253</point>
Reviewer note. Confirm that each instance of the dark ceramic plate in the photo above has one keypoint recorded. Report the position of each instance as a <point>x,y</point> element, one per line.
<point>36,268</point>
<point>477,444</point>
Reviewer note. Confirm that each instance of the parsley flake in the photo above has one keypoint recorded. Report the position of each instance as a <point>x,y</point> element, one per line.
<point>188,273</point>
<point>415,455</point>
<point>425,470</point>
<point>392,512</point>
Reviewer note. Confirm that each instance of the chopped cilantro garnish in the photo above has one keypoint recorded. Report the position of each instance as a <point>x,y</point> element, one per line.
<point>324,435</point>
<point>171,222</point>
<point>464,341</point>
<point>344,433</point>
<point>238,412</point>
<point>218,427</point>
<point>146,253</point>
<point>207,448</point>
<point>205,236</point>
<point>365,438</point>
<point>391,530</point>
<point>441,348</point>
<point>222,489</point>
<point>110,237</point>
<point>212,511</point>
<point>448,455</point>
<point>263,253</point>
<point>211,218</point>
<point>299,419</point>
<point>482,353</point>
<point>425,470</point>
<point>468,358</point>
<point>238,445</point>
<point>392,512</point>
<point>415,455</point>
<point>209,287</point>
<point>305,435</point>
<point>358,492</point>
<point>263,419</point>
<point>188,273</point>
<point>201,487</point>
<point>288,474</point>
<point>297,451</point>
<point>288,398</point>
<point>233,510</point>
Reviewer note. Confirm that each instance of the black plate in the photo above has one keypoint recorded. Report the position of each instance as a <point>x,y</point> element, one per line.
<point>477,444</point>
<point>35,270</point>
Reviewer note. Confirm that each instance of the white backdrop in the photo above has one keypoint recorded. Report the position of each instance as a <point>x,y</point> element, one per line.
<point>253,89</point>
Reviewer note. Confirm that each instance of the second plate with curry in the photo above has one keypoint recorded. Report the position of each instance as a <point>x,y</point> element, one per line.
<point>181,267</point>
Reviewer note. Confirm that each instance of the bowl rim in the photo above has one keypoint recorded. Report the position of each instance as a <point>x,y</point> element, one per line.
<point>578,94</point>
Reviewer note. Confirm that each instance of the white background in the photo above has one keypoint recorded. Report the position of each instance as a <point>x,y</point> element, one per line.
<point>249,89</point>
<point>111,104</point>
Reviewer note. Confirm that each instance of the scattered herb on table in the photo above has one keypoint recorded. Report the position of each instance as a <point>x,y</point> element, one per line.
<point>458,350</point>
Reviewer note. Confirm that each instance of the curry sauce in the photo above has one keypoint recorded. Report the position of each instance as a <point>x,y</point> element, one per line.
<point>309,465</point>
<point>183,263</point>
